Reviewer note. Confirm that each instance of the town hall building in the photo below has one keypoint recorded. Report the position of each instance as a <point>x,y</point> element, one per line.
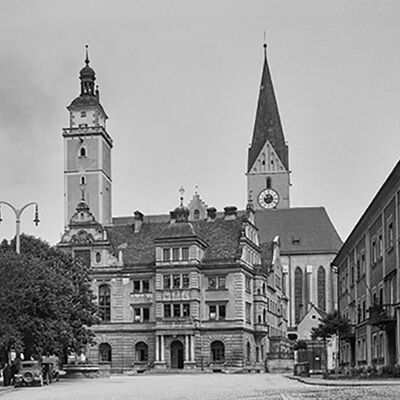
<point>197,288</point>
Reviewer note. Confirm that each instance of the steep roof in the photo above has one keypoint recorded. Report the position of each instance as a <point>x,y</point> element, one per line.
<point>267,125</point>
<point>221,236</point>
<point>303,230</point>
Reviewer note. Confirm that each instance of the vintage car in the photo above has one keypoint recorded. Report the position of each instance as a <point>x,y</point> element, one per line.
<point>29,374</point>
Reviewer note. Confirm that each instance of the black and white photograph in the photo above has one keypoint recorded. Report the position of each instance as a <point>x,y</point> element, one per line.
<point>199,200</point>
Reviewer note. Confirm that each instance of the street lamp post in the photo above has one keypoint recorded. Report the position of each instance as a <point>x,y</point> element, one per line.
<point>18,212</point>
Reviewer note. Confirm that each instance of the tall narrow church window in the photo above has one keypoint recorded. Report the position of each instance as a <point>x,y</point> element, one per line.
<point>298,294</point>
<point>321,288</point>
<point>268,183</point>
<point>83,180</point>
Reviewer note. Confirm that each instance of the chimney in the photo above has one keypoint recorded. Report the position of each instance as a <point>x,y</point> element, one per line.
<point>230,212</point>
<point>138,220</point>
<point>211,213</point>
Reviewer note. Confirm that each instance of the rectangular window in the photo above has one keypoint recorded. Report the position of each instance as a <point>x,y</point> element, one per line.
<point>390,234</point>
<point>175,254</point>
<point>213,311</point>
<point>248,284</point>
<point>185,253</point>
<point>380,245</point>
<point>185,281</point>
<point>222,311</point>
<point>136,286</point>
<point>248,313</point>
<point>146,286</point>
<point>166,255</point>
<point>167,310</point>
<point>176,281</point>
<point>177,310</point>
<point>136,315</point>
<point>146,314</point>
<point>186,310</point>
<point>167,281</point>
<point>212,282</point>
<point>374,252</point>
<point>221,282</point>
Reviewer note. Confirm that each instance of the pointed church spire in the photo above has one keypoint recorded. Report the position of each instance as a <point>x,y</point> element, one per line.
<point>267,125</point>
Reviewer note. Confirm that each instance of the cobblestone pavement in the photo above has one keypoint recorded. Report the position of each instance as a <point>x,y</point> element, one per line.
<point>198,387</point>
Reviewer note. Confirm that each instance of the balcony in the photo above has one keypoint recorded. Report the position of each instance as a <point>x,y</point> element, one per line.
<point>261,329</point>
<point>382,315</point>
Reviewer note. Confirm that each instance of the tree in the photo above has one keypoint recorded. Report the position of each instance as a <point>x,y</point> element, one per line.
<point>46,302</point>
<point>333,324</point>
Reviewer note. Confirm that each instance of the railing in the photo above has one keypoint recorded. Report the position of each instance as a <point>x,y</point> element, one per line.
<point>382,314</point>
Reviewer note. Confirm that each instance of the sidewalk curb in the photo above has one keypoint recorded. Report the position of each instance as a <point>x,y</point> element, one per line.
<point>4,390</point>
<point>342,383</point>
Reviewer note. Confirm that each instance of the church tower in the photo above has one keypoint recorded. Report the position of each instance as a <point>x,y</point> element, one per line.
<point>268,174</point>
<point>87,152</point>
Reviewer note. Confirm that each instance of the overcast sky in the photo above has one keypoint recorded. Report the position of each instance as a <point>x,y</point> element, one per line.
<point>179,81</point>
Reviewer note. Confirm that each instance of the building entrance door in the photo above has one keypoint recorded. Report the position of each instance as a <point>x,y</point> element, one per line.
<point>177,354</point>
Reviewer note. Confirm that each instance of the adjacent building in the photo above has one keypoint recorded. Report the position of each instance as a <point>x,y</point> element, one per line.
<point>368,265</point>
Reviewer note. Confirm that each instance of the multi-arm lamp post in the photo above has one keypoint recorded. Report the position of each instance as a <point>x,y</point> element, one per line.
<point>18,212</point>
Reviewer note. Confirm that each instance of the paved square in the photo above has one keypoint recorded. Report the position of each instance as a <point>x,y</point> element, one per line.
<point>198,387</point>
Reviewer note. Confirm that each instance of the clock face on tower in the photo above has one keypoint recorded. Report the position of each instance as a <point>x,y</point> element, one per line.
<point>268,198</point>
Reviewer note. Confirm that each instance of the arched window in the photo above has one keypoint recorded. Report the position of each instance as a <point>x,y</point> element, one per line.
<point>142,352</point>
<point>105,302</point>
<point>298,294</point>
<point>268,183</point>
<point>217,351</point>
<point>98,257</point>
<point>248,352</point>
<point>196,214</point>
<point>264,316</point>
<point>321,288</point>
<point>82,152</point>
<point>83,180</point>
<point>104,353</point>
<point>263,288</point>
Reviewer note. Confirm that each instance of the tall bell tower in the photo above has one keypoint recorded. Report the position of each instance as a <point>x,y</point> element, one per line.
<point>268,174</point>
<point>87,152</point>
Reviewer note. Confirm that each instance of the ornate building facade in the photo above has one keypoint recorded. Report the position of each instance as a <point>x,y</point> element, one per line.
<point>192,289</point>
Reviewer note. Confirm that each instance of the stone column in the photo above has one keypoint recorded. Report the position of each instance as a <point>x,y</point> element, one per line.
<point>186,347</point>
<point>192,348</point>
<point>157,348</point>
<point>162,348</point>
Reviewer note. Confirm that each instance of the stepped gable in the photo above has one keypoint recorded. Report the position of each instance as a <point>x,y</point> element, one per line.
<point>304,230</point>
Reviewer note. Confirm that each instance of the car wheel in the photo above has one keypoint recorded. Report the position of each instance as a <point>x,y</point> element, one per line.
<point>28,377</point>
